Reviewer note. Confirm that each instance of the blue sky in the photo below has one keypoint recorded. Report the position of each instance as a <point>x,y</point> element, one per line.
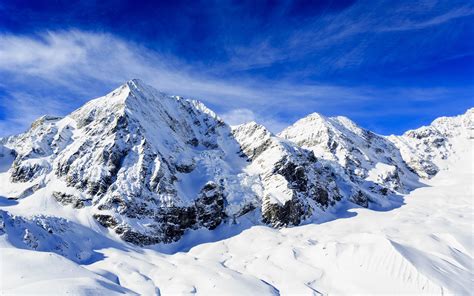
<point>388,65</point>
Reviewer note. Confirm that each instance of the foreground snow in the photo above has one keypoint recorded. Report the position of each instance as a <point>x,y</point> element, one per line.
<point>424,246</point>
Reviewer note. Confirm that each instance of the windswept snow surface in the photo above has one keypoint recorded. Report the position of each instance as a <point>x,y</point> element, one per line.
<point>423,247</point>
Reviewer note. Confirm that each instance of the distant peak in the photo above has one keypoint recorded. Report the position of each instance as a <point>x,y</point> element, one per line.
<point>315,115</point>
<point>249,124</point>
<point>311,119</point>
<point>44,119</point>
<point>251,127</point>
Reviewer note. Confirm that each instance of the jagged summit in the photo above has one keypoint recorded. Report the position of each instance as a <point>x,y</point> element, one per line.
<point>315,116</point>
<point>369,162</point>
<point>135,82</point>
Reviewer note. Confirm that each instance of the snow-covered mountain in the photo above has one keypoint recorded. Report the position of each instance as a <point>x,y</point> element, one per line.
<point>371,164</point>
<point>425,148</point>
<point>147,168</point>
<point>294,184</point>
<point>150,166</point>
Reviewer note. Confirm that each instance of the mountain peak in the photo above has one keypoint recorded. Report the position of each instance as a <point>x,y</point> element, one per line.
<point>139,88</point>
<point>135,82</point>
<point>45,118</point>
<point>314,117</point>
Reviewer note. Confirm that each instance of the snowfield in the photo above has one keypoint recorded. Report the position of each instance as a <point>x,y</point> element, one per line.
<point>172,201</point>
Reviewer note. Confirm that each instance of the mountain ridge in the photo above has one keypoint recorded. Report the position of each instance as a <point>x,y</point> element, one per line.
<point>150,167</point>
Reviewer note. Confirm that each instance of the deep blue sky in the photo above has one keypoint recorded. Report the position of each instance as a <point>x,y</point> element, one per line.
<point>388,65</point>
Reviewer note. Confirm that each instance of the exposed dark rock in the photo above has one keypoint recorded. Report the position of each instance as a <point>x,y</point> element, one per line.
<point>384,190</point>
<point>294,174</point>
<point>139,239</point>
<point>194,141</point>
<point>185,168</point>
<point>360,198</point>
<point>120,124</point>
<point>174,221</point>
<point>68,199</point>
<point>246,209</point>
<point>319,195</point>
<point>379,151</point>
<point>210,145</point>
<point>30,190</point>
<point>257,151</point>
<point>105,220</point>
<point>83,121</point>
<point>291,213</point>
<point>184,217</point>
<point>64,167</point>
<point>23,171</point>
<point>333,146</point>
<point>210,206</point>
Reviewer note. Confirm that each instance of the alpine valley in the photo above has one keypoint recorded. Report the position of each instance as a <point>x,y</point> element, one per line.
<point>140,192</point>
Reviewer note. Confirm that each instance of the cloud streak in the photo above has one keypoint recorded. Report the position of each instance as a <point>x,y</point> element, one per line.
<point>335,38</point>
<point>76,60</point>
<point>58,71</point>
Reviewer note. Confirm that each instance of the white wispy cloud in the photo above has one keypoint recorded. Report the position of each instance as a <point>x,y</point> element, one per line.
<point>58,71</point>
<point>76,61</point>
<point>334,37</point>
<point>238,116</point>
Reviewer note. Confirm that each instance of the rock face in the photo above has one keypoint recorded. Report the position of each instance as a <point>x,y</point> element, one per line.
<point>293,182</point>
<point>210,206</point>
<point>149,166</point>
<point>369,163</point>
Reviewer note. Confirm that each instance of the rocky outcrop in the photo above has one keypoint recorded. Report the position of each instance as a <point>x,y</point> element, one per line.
<point>292,178</point>
<point>210,206</point>
<point>105,220</point>
<point>292,212</point>
<point>68,199</point>
<point>360,198</point>
<point>50,234</point>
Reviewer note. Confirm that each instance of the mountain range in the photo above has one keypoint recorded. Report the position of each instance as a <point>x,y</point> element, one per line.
<point>148,168</point>
<point>151,166</point>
